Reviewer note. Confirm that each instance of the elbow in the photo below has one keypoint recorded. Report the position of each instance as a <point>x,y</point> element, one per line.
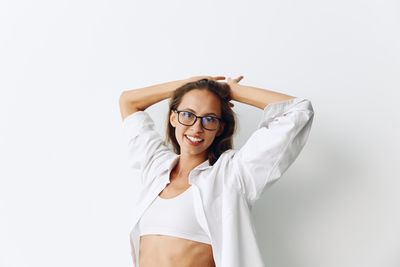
<point>308,106</point>
<point>123,97</point>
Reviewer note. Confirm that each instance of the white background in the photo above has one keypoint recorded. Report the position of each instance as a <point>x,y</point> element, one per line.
<point>66,192</point>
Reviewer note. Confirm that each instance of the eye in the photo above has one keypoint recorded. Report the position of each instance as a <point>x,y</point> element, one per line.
<point>187,114</point>
<point>210,119</point>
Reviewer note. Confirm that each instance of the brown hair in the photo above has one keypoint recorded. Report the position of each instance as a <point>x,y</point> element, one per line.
<point>222,142</point>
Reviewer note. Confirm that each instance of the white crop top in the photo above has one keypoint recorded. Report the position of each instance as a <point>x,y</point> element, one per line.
<point>174,217</point>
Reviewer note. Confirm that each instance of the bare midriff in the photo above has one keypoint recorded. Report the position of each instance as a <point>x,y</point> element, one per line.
<point>170,251</point>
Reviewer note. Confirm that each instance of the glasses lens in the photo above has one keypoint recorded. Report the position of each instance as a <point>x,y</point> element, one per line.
<point>186,117</point>
<point>210,123</point>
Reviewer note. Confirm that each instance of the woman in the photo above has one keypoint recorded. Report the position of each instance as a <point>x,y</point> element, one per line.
<point>194,208</point>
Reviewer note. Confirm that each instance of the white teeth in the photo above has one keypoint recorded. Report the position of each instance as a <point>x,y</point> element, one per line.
<point>194,139</point>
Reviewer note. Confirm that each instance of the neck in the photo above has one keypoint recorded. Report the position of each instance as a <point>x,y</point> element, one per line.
<point>187,163</point>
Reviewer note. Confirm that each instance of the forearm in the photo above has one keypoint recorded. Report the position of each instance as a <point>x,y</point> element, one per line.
<point>256,96</point>
<point>142,98</point>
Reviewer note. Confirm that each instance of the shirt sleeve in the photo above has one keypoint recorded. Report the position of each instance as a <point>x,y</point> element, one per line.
<point>273,147</point>
<point>146,149</point>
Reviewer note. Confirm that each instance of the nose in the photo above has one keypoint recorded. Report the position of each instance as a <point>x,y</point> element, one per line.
<point>197,125</point>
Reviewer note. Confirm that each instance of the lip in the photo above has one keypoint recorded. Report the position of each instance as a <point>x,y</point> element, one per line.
<point>192,143</point>
<point>195,136</point>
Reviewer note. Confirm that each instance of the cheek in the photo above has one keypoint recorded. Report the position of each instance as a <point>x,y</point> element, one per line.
<point>210,138</point>
<point>179,134</point>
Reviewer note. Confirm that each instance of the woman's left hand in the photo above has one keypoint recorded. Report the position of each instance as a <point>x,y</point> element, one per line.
<point>233,85</point>
<point>233,82</point>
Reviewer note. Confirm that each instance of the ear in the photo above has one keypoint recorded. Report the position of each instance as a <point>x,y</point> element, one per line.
<point>173,119</point>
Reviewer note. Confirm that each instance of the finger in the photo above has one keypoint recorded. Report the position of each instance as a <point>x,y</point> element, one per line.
<point>219,77</point>
<point>239,78</point>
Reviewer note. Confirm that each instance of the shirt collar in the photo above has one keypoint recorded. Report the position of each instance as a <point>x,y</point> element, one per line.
<point>174,160</point>
<point>204,165</point>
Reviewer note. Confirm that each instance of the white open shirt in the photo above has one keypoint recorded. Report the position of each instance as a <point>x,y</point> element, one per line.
<point>225,192</point>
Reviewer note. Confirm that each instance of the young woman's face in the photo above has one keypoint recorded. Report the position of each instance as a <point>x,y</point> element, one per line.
<point>200,103</point>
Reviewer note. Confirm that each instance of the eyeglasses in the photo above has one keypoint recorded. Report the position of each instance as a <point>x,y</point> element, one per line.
<point>187,118</point>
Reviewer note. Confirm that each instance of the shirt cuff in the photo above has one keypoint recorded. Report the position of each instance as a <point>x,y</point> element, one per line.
<point>276,109</point>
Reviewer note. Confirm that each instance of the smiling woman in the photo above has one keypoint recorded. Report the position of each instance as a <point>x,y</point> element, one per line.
<point>207,98</point>
<point>195,200</point>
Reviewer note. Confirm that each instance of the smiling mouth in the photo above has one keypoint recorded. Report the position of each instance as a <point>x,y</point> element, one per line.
<point>194,140</point>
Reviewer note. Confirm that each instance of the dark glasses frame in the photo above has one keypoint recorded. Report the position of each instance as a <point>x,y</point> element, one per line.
<point>198,117</point>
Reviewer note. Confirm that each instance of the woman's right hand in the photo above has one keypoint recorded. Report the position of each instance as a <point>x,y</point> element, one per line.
<point>196,78</point>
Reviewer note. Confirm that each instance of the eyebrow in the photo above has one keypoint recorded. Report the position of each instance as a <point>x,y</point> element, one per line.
<point>210,113</point>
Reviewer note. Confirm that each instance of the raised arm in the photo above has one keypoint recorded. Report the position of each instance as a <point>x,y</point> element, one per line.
<point>134,100</point>
<point>275,145</point>
<point>254,96</point>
